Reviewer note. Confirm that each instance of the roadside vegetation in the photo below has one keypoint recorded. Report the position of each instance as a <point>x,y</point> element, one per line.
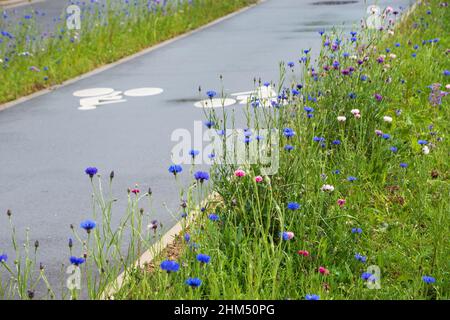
<point>33,58</point>
<point>358,208</point>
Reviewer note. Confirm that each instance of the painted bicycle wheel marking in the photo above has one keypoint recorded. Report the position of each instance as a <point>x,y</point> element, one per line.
<point>91,98</point>
<point>215,103</point>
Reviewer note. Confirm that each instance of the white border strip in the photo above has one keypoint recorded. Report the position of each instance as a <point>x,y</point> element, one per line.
<point>124,60</point>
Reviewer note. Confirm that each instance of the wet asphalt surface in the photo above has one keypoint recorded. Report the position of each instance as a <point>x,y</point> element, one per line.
<point>46,142</point>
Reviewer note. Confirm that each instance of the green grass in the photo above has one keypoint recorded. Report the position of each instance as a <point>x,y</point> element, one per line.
<point>403,212</point>
<point>107,35</point>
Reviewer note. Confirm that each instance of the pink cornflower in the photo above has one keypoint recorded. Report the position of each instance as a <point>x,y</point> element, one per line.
<point>341,202</point>
<point>258,179</point>
<point>304,253</point>
<point>135,191</point>
<point>324,270</point>
<point>239,173</point>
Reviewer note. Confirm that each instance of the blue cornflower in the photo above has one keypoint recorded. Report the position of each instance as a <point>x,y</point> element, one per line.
<point>428,279</point>
<point>288,132</point>
<point>351,178</point>
<point>312,297</point>
<point>211,94</point>
<point>422,142</point>
<point>193,153</point>
<point>367,276</point>
<point>393,149</point>
<point>308,109</point>
<point>293,206</point>
<point>403,165</point>
<point>209,124</point>
<point>213,217</point>
<point>201,176</point>
<point>357,230</point>
<point>321,32</point>
<point>363,78</point>
<point>414,55</point>
<point>187,237</point>
<point>397,44</point>
<point>337,171</point>
<point>3,258</point>
<point>318,139</point>
<point>288,148</point>
<point>361,258</point>
<point>88,225</point>
<point>194,282</point>
<point>203,258</point>
<point>352,95</point>
<point>287,235</point>
<point>290,64</point>
<point>170,266</point>
<point>175,168</point>
<point>295,92</point>
<point>76,261</point>
<point>386,136</point>
<point>446,73</point>
<point>336,142</point>
<point>91,171</point>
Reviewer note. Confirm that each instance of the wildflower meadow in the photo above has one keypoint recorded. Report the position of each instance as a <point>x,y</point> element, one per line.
<point>358,208</point>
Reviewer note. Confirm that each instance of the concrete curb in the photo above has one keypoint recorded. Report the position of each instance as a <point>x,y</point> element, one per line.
<point>123,60</point>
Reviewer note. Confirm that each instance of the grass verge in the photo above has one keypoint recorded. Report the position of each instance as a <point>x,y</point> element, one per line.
<point>32,59</point>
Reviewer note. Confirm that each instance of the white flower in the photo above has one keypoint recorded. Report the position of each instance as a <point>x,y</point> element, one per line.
<point>387,119</point>
<point>341,119</point>
<point>1,61</point>
<point>446,87</point>
<point>327,188</point>
<point>426,150</point>
<point>355,111</point>
<point>393,56</point>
